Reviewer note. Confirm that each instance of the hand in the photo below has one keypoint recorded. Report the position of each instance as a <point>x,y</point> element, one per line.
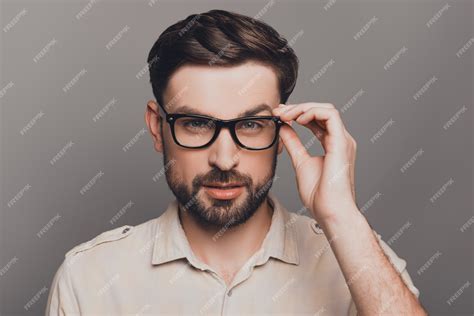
<point>325,183</point>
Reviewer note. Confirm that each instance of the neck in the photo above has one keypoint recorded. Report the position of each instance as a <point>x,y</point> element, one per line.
<point>227,249</point>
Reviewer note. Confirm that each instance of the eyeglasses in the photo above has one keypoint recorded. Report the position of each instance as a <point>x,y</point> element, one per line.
<point>199,131</point>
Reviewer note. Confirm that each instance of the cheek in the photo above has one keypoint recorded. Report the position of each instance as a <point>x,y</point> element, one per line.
<point>258,166</point>
<point>187,165</point>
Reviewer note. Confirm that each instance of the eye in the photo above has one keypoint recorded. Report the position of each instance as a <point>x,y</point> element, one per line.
<point>251,125</point>
<point>196,123</point>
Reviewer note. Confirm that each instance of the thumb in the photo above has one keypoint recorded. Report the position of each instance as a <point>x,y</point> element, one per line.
<point>293,145</point>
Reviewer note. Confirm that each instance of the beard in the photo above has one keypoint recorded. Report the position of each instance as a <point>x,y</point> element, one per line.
<point>220,213</point>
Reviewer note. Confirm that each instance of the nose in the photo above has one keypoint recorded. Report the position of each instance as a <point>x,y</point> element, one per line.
<point>224,152</point>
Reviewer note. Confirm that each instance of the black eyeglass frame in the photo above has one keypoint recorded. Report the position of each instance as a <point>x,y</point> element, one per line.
<point>230,124</point>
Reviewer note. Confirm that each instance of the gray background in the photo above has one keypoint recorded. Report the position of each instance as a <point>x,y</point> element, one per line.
<point>401,211</point>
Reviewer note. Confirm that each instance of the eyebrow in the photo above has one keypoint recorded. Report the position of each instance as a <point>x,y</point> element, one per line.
<point>185,109</point>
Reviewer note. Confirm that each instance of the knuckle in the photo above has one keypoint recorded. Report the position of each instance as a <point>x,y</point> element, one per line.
<point>334,111</point>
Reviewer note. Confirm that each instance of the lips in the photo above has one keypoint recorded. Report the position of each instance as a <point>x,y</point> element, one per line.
<point>224,193</point>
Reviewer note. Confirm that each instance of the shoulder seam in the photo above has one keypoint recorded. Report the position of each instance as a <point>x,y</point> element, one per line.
<point>110,235</point>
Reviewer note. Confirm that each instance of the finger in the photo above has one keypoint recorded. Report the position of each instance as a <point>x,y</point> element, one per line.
<point>287,108</point>
<point>292,113</point>
<point>292,110</point>
<point>295,148</point>
<point>307,105</point>
<point>331,118</point>
<point>282,108</point>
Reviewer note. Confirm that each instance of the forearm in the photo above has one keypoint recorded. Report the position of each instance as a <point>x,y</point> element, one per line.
<point>375,285</point>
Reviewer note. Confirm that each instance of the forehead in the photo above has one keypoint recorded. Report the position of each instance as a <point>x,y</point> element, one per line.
<point>222,92</point>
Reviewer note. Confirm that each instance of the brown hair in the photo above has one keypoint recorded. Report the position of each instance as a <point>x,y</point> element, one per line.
<point>221,38</point>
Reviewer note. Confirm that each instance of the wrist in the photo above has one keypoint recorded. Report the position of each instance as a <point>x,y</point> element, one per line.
<point>346,216</point>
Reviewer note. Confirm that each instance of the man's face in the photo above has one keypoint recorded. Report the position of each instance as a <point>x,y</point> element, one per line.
<point>224,93</point>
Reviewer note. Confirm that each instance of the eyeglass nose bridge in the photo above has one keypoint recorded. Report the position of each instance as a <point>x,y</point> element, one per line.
<point>230,125</point>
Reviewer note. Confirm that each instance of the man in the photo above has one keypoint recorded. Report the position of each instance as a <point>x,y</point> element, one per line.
<point>227,245</point>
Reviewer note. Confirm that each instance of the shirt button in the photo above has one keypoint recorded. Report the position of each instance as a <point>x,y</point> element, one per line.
<point>125,230</point>
<point>316,227</point>
<point>229,293</point>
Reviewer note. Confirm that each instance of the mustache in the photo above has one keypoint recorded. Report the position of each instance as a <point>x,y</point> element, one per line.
<point>216,175</point>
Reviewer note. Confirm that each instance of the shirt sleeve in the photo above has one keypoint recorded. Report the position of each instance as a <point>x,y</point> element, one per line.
<point>398,263</point>
<point>61,298</point>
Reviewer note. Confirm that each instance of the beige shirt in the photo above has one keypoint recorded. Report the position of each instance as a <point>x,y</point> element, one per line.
<point>150,269</point>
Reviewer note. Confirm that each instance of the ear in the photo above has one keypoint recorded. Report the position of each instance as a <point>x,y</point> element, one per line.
<point>153,121</point>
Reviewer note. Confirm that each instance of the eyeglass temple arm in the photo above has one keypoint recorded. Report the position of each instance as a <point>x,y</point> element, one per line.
<point>162,110</point>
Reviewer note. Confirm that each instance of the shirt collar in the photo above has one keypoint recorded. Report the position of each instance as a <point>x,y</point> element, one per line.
<point>172,244</point>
